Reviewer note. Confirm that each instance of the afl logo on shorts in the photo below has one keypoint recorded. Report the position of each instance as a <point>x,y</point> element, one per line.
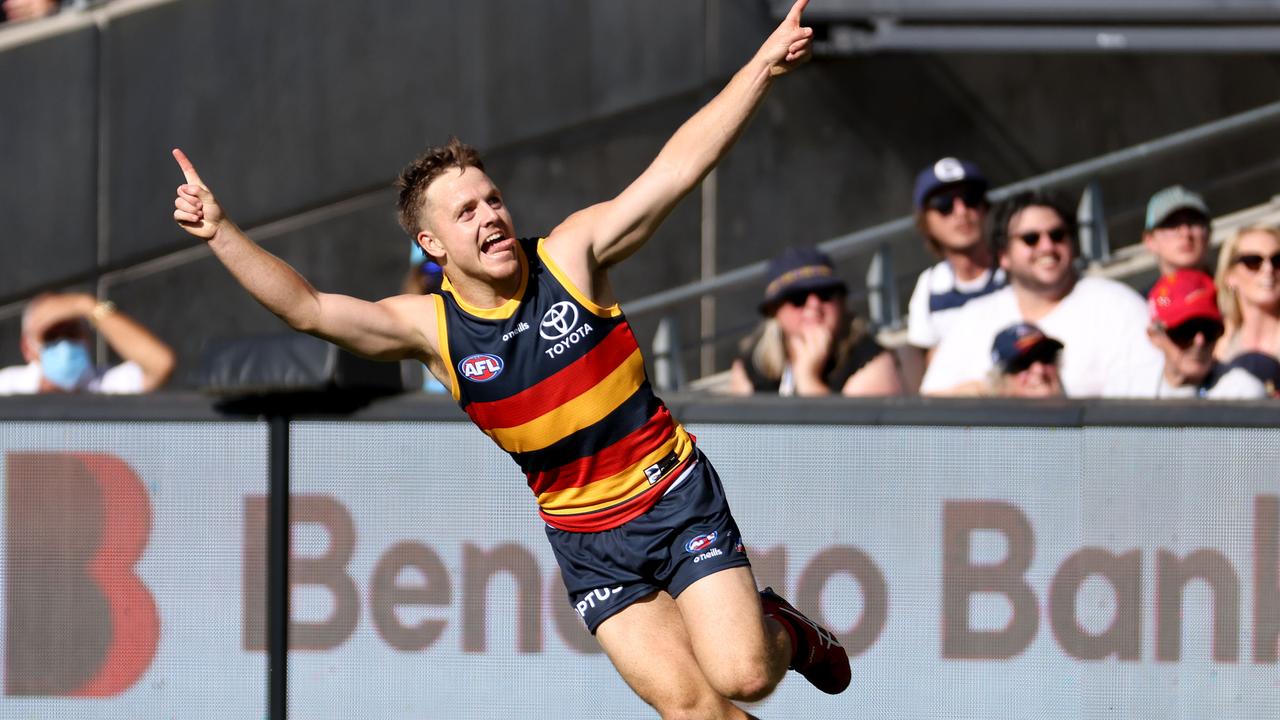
<point>480,368</point>
<point>700,543</point>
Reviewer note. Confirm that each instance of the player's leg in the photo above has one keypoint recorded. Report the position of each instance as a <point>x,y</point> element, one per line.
<point>743,639</point>
<point>742,654</point>
<point>746,640</point>
<point>649,645</point>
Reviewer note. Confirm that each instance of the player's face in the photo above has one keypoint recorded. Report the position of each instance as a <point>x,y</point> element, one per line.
<point>1038,252</point>
<point>953,217</point>
<point>468,223</point>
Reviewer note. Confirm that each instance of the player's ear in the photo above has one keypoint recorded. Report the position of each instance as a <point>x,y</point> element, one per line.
<point>430,244</point>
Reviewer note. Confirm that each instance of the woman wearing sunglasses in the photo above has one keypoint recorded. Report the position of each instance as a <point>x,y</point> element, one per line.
<point>1248,281</point>
<point>809,343</point>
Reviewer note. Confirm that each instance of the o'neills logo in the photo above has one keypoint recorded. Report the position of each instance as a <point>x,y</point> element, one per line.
<point>79,622</point>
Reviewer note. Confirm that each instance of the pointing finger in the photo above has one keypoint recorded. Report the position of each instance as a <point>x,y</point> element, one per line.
<point>794,15</point>
<point>188,170</point>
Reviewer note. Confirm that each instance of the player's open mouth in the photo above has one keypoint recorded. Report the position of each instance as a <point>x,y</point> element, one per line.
<point>495,243</point>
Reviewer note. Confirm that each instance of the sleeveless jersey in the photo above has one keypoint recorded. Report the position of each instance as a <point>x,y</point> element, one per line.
<point>558,382</point>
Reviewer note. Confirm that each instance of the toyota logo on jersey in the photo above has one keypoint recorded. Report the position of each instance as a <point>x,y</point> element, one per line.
<point>559,320</point>
<point>480,368</point>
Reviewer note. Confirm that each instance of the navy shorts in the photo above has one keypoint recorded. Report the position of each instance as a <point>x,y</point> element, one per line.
<point>688,535</point>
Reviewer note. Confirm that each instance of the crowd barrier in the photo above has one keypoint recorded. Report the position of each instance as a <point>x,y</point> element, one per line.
<point>1069,560</point>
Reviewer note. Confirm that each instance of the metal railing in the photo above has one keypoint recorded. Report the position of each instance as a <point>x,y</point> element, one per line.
<point>869,239</point>
<point>881,283</point>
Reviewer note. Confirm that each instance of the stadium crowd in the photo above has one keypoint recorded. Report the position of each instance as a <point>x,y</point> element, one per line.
<point>1005,311</point>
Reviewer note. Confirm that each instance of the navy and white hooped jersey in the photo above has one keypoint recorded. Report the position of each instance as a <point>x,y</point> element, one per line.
<point>938,297</point>
<point>558,382</point>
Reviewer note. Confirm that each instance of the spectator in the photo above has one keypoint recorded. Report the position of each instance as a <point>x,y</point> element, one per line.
<point>808,343</point>
<point>1100,322</point>
<point>423,277</point>
<point>55,343</point>
<point>1185,324</point>
<point>1026,363</point>
<point>1248,282</point>
<point>1176,231</point>
<point>18,10</point>
<point>951,208</point>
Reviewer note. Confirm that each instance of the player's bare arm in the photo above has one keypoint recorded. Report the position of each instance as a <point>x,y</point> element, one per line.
<point>394,328</point>
<point>592,240</point>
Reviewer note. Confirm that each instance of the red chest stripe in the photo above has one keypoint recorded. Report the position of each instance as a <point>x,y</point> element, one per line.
<point>566,384</point>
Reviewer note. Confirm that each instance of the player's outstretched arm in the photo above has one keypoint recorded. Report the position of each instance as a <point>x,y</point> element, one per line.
<point>382,330</point>
<point>612,230</point>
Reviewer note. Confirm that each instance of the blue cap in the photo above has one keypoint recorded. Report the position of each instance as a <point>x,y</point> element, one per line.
<point>1016,341</point>
<point>798,269</point>
<point>947,171</point>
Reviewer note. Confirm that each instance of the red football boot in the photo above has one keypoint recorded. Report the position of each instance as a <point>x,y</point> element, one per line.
<point>816,654</point>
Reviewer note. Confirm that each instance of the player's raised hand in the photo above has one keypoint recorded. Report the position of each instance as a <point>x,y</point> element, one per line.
<point>790,45</point>
<point>196,210</point>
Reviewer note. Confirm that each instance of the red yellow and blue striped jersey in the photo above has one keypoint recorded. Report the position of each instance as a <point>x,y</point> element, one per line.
<point>558,382</point>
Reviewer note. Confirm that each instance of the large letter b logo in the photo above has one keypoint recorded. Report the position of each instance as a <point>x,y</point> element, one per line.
<point>80,622</point>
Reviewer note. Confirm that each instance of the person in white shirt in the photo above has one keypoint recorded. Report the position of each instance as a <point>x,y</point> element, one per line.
<point>1185,324</point>
<point>55,344</point>
<point>950,201</point>
<point>1101,323</point>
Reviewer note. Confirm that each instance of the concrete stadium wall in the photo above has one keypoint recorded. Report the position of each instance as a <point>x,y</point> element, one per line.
<point>289,106</point>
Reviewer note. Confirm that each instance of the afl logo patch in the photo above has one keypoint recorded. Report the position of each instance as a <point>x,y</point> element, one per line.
<point>700,543</point>
<point>480,368</point>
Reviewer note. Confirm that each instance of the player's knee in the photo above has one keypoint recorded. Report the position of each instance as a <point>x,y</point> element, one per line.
<point>747,681</point>
<point>690,706</point>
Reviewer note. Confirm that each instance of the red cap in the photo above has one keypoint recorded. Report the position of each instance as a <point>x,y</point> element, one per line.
<point>1181,296</point>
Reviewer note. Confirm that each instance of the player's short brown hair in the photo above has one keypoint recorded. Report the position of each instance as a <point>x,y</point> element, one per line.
<point>419,174</point>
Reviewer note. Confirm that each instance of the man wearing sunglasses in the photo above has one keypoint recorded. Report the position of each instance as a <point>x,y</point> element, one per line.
<point>1026,363</point>
<point>951,207</point>
<point>1185,324</point>
<point>1100,322</point>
